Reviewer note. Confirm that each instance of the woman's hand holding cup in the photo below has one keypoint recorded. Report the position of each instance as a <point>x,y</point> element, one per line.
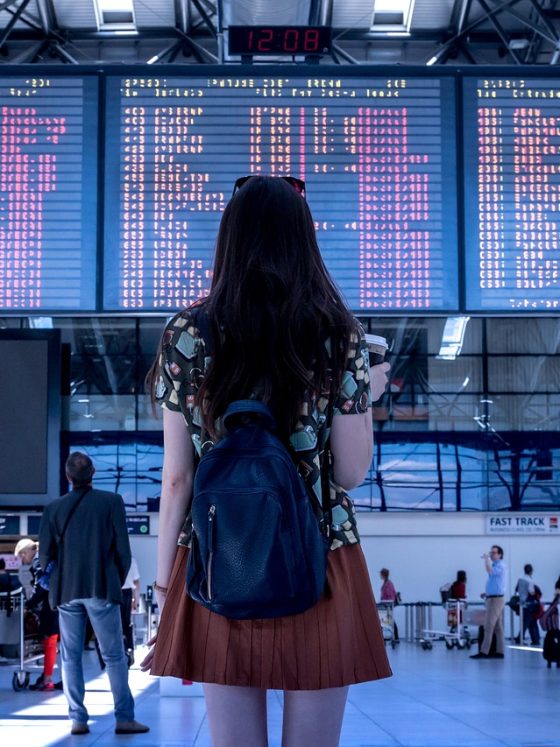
<point>378,380</point>
<point>378,367</point>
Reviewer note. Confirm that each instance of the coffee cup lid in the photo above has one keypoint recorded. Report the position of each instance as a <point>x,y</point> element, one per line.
<point>376,340</point>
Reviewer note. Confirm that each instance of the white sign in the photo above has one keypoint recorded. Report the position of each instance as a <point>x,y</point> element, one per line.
<point>527,524</point>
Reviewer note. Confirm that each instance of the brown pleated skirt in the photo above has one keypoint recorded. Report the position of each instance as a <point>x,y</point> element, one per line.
<point>335,643</point>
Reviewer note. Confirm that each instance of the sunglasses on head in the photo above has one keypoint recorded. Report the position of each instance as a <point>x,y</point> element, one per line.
<point>297,184</point>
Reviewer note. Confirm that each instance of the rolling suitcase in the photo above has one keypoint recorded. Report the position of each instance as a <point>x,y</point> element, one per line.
<point>551,648</point>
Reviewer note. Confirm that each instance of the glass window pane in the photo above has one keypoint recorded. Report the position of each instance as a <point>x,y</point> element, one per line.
<point>131,468</point>
<point>98,335</point>
<point>524,373</point>
<point>523,335</point>
<point>524,412</point>
<point>98,412</point>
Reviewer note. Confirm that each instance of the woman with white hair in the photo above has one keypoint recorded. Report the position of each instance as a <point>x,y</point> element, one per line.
<point>27,550</point>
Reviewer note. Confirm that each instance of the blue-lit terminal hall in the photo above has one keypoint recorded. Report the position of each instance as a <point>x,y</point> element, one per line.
<point>424,139</point>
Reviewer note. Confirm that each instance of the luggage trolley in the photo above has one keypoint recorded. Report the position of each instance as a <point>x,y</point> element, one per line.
<point>457,634</point>
<point>30,650</point>
<point>386,618</point>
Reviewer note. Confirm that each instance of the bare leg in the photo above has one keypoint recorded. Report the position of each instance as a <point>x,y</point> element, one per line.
<point>237,715</point>
<point>313,717</point>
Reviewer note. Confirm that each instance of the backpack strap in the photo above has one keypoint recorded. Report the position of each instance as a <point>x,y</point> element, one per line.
<point>326,522</point>
<point>202,323</point>
<point>71,513</point>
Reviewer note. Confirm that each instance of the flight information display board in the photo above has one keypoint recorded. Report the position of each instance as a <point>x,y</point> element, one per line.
<point>512,193</point>
<point>48,193</point>
<point>377,154</point>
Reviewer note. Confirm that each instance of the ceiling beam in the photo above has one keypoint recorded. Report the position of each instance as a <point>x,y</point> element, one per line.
<point>202,55</point>
<point>47,15</point>
<point>443,52</point>
<point>29,54</point>
<point>506,39</point>
<point>325,18</point>
<point>467,53</point>
<point>314,12</point>
<point>459,14</point>
<point>16,15</point>
<point>205,17</point>
<point>167,52</point>
<point>344,54</point>
<point>463,37</point>
<point>64,55</point>
<point>549,34</point>
<point>182,13</point>
<point>544,19</point>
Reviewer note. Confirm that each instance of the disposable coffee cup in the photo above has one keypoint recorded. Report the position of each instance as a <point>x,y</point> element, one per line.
<point>377,347</point>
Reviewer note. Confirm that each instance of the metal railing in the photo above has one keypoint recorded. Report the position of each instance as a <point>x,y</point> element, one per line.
<point>420,616</point>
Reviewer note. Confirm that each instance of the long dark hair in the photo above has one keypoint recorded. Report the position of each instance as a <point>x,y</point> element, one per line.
<point>272,306</point>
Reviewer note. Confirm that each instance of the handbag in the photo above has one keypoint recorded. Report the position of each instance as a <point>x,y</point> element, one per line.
<point>513,603</point>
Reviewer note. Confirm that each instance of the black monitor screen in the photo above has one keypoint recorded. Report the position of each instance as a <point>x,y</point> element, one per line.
<point>48,193</point>
<point>377,155</point>
<point>29,417</point>
<point>512,194</point>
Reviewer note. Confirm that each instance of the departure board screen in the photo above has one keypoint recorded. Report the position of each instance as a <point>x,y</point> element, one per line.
<point>512,193</point>
<point>377,155</point>
<point>48,193</point>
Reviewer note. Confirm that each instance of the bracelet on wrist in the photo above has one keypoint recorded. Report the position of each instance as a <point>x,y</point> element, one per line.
<point>161,589</point>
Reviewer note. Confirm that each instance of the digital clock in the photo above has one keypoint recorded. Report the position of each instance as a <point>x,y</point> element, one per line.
<point>257,40</point>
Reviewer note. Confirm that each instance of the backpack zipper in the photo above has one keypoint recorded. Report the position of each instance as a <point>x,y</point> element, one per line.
<point>210,540</point>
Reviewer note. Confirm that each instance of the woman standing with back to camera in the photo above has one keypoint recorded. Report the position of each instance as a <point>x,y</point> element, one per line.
<point>280,333</point>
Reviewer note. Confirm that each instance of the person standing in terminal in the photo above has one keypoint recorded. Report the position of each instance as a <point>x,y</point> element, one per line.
<point>85,534</point>
<point>8,581</point>
<point>458,588</point>
<point>495,601</point>
<point>526,588</point>
<point>279,332</point>
<point>389,594</point>
<point>28,552</point>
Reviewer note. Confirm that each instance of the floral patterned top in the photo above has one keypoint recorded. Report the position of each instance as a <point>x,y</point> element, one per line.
<point>181,367</point>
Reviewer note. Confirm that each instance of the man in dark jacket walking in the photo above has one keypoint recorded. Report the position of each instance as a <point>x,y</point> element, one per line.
<point>85,533</point>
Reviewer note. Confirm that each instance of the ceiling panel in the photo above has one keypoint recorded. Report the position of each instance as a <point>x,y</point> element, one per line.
<point>75,14</point>
<point>431,14</point>
<point>273,12</point>
<point>154,14</point>
<point>352,14</point>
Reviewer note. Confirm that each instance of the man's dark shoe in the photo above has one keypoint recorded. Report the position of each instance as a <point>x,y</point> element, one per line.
<point>37,684</point>
<point>131,727</point>
<point>480,655</point>
<point>78,727</point>
<point>495,656</point>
